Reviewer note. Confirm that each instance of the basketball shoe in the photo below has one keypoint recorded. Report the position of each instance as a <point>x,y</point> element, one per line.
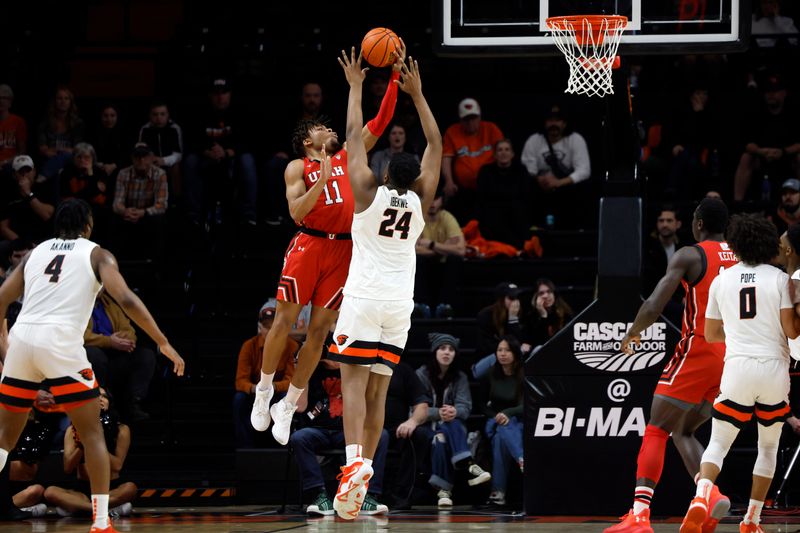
<point>695,516</point>
<point>718,507</point>
<point>750,528</point>
<point>282,413</point>
<point>633,523</point>
<point>352,489</point>
<point>259,416</point>
<point>109,529</point>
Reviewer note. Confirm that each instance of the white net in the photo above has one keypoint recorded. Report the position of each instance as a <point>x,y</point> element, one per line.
<point>590,51</point>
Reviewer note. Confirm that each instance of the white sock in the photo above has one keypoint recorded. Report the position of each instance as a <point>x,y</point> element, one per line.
<point>753,515</point>
<point>704,488</point>
<point>367,462</point>
<point>352,452</point>
<point>3,458</point>
<point>642,497</point>
<point>100,510</point>
<point>266,381</point>
<point>293,394</point>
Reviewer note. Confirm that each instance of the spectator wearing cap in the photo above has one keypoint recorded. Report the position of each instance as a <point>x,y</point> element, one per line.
<point>26,203</point>
<point>559,160</point>
<point>248,373</point>
<point>220,162</point>
<point>13,129</point>
<point>61,129</point>
<point>468,146</point>
<point>788,210</point>
<point>121,362</point>
<point>499,319</point>
<point>772,146</point>
<point>452,403</point>
<point>140,201</point>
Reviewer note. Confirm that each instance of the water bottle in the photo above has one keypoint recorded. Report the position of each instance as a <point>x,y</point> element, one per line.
<point>550,221</point>
<point>766,189</point>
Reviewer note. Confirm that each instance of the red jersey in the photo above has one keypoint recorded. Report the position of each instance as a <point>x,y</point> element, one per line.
<point>717,256</point>
<point>333,212</point>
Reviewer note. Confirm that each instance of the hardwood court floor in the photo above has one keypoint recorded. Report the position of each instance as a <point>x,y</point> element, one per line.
<point>244,520</point>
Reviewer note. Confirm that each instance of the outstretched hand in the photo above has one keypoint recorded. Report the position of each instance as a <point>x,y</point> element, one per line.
<point>400,57</point>
<point>409,81</point>
<point>352,67</point>
<point>170,353</point>
<point>325,167</point>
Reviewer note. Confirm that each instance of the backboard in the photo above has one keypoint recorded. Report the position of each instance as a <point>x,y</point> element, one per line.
<point>516,27</point>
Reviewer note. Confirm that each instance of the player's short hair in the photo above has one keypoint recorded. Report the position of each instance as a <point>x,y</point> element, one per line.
<point>72,217</point>
<point>403,170</point>
<point>793,235</point>
<point>301,130</point>
<point>753,238</point>
<point>714,214</point>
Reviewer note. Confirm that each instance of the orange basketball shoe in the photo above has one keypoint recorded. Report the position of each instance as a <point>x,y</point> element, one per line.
<point>695,516</point>
<point>353,482</point>
<point>632,523</point>
<point>718,507</point>
<point>749,528</point>
<point>109,529</point>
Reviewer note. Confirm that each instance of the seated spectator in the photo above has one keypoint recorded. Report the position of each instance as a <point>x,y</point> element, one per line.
<point>121,363</point>
<point>59,132</point>
<point>26,203</point>
<point>379,161</point>
<point>767,20</point>
<point>468,146</point>
<point>693,138</point>
<point>110,143</point>
<point>499,319</point>
<point>17,251</point>
<point>559,161</point>
<point>140,201</point>
<point>406,411</point>
<point>223,163</point>
<point>503,392</point>
<point>77,500</point>
<point>165,137</point>
<point>772,148</point>
<point>321,407</point>
<point>452,404</point>
<point>13,129</point>
<point>788,210</point>
<point>549,314</point>
<point>440,252</point>
<point>84,178</point>
<point>504,189</point>
<point>248,373</point>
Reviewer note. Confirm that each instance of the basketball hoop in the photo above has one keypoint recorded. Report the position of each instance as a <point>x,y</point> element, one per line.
<point>590,43</point>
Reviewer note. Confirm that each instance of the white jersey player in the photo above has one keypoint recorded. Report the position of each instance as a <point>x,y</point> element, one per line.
<point>60,279</point>
<point>750,310</point>
<point>378,297</point>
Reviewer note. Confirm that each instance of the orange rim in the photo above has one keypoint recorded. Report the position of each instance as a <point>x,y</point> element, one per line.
<point>594,22</point>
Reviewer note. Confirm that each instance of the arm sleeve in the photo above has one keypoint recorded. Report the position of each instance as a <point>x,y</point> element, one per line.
<point>580,158</point>
<point>378,124</point>
<point>712,309</point>
<point>244,368</point>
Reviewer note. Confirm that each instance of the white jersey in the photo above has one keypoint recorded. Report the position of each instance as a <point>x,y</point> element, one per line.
<point>749,300</point>
<point>60,284</point>
<point>384,236</point>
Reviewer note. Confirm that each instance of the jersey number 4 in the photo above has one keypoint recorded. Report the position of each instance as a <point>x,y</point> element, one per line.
<point>391,223</point>
<point>747,303</point>
<point>54,268</point>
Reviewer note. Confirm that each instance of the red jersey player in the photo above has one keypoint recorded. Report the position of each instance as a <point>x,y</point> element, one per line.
<point>316,262</point>
<point>690,381</point>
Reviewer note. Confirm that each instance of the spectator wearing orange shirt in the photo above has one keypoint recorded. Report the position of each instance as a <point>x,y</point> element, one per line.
<point>468,146</point>
<point>248,373</point>
<point>13,129</point>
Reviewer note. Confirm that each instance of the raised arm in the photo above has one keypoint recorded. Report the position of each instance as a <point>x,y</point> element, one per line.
<point>362,180</point>
<point>431,164</point>
<point>678,266</point>
<point>106,267</point>
<point>373,130</point>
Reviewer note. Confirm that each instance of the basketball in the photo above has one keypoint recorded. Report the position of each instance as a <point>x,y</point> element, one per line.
<point>379,47</point>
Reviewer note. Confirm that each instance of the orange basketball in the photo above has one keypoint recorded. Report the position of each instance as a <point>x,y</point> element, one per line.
<point>379,47</point>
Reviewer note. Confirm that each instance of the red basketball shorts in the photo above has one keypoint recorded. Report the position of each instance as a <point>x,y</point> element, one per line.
<point>694,372</point>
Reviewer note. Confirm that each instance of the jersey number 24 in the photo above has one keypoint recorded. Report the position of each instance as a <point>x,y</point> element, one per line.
<point>391,223</point>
